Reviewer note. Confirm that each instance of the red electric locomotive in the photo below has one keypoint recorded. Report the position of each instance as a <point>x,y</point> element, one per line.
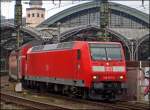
<point>96,70</point>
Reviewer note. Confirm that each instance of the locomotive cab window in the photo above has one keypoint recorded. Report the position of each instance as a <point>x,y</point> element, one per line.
<point>105,51</point>
<point>114,53</point>
<point>98,53</point>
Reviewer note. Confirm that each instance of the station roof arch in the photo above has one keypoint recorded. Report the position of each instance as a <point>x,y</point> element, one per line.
<point>125,9</point>
<point>141,40</point>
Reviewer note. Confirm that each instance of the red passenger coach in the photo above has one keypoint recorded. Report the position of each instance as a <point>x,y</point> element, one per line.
<point>19,55</point>
<point>89,69</point>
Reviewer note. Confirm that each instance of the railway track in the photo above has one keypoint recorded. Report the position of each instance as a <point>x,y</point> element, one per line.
<point>39,105</point>
<point>97,104</point>
<point>57,103</point>
<point>121,105</point>
<point>9,96</point>
<point>30,104</point>
<point>134,105</point>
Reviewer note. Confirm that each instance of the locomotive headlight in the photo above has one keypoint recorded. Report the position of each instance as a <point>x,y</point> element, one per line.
<point>121,77</point>
<point>118,68</point>
<point>95,77</point>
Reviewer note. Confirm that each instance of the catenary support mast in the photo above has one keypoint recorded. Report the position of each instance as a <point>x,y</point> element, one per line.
<point>104,18</point>
<point>18,24</point>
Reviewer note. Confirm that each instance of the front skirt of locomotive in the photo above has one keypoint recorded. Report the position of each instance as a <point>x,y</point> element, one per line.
<point>108,91</point>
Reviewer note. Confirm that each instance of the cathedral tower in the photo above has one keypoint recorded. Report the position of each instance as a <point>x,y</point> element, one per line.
<point>35,14</point>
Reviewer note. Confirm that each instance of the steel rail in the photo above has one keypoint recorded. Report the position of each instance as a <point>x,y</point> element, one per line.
<point>118,106</point>
<point>114,105</point>
<point>135,105</point>
<point>32,104</point>
<point>90,102</point>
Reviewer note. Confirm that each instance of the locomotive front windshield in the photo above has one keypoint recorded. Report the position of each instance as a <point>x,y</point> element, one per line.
<point>105,51</point>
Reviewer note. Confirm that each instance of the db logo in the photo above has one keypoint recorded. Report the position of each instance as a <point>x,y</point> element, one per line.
<point>108,68</point>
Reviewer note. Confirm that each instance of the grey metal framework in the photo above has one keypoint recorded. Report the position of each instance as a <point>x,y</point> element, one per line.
<point>9,33</point>
<point>91,17</point>
<point>88,14</point>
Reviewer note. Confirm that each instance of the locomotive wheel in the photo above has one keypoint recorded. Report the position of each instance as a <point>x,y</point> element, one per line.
<point>41,87</point>
<point>112,97</point>
<point>71,95</point>
<point>72,91</point>
<point>65,90</point>
<point>85,94</point>
<point>24,85</point>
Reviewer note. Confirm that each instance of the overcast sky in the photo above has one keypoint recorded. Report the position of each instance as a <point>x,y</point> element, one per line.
<point>7,8</point>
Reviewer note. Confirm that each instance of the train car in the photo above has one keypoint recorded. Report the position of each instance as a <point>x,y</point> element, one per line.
<point>17,57</point>
<point>96,70</point>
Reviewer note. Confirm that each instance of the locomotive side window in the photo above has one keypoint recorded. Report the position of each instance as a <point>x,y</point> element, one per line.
<point>78,54</point>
